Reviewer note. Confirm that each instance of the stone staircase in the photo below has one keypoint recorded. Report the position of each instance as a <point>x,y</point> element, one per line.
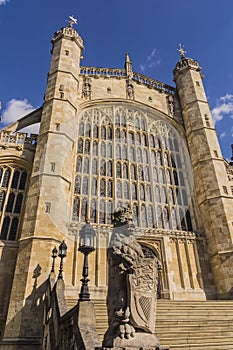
<point>196,325</point>
<point>185,325</point>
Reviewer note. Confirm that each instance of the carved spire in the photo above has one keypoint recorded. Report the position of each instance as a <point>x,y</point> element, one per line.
<point>128,66</point>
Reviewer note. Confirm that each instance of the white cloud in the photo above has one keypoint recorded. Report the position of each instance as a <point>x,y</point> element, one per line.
<point>150,61</point>
<point>222,135</point>
<point>223,109</point>
<point>3,2</point>
<point>16,109</point>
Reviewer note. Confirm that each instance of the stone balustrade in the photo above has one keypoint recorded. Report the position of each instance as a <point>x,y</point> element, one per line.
<point>121,73</point>
<point>17,140</point>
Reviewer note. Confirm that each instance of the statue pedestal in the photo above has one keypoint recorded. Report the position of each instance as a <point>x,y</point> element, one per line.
<point>140,341</point>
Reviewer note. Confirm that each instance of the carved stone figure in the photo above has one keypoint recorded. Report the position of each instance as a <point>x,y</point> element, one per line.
<point>130,91</point>
<point>86,91</point>
<point>133,280</point>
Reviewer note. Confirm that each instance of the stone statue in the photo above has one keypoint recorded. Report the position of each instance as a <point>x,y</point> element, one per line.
<point>133,280</point>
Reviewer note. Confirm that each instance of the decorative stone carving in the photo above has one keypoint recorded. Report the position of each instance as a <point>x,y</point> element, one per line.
<point>129,90</point>
<point>133,281</point>
<point>86,91</point>
<point>171,106</point>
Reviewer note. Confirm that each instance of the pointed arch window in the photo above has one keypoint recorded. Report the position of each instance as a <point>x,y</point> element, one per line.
<point>103,149</point>
<point>109,133</point>
<point>102,212</point>
<point>84,209</point>
<point>5,228</point>
<point>93,215</point>
<point>94,166</point>
<point>174,220</point>
<point>76,208</point>
<point>80,146</point>
<point>103,167</point>
<point>118,169</point>
<point>128,162</point>
<point>77,185</point>
<point>79,165</point>
<point>94,186</point>
<point>13,229</point>
<point>134,191</point>
<point>143,216</point>
<point>95,148</point>
<point>15,179</point>
<point>103,133</point>
<point>109,150</point>
<point>6,178</point>
<point>166,218</point>
<point>81,129</point>
<point>150,216</point>
<point>95,132</point>
<point>132,172</point>
<point>153,158</point>
<point>131,154</point>
<point>159,217</point>
<point>2,199</point>
<point>135,214</point>
<point>86,165</point>
<point>148,193</point>
<point>139,155</point>
<point>155,175</point>
<point>146,173</point>
<point>12,187</point>
<point>109,194</point>
<point>85,185</point>
<point>109,168</point>
<point>126,190</point>
<point>125,171</point>
<point>23,180</point>
<point>102,188</point>
<point>10,203</point>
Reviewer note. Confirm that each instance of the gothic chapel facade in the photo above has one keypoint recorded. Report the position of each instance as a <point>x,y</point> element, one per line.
<point>109,138</point>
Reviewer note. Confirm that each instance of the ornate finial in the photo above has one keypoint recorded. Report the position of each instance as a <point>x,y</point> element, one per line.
<point>72,21</point>
<point>181,51</point>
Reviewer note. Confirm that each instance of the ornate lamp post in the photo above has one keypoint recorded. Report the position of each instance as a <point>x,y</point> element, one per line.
<point>54,255</point>
<point>86,246</point>
<point>62,255</point>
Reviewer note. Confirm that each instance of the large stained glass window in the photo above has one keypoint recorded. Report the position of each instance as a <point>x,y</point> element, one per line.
<point>129,157</point>
<point>12,187</point>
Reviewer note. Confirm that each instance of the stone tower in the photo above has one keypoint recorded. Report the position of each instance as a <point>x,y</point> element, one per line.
<point>210,178</point>
<point>48,201</point>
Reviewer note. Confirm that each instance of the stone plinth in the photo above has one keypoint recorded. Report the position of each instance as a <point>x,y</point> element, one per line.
<point>140,341</point>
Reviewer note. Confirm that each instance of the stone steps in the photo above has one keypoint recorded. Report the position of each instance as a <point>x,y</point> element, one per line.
<point>195,324</point>
<point>185,325</point>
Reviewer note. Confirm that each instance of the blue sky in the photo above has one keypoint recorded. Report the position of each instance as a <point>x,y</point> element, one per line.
<point>149,30</point>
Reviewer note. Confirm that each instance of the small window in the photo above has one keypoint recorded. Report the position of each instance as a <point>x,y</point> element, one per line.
<point>47,207</point>
<point>225,189</point>
<point>52,167</point>
<point>67,52</point>
<point>57,125</point>
<point>197,83</point>
<point>215,153</point>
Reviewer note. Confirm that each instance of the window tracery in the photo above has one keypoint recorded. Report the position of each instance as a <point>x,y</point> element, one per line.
<point>12,186</point>
<point>139,163</point>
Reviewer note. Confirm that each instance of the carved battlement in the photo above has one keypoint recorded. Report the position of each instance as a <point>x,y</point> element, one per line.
<point>102,72</point>
<point>68,33</point>
<point>18,140</point>
<point>187,63</point>
<point>121,73</point>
